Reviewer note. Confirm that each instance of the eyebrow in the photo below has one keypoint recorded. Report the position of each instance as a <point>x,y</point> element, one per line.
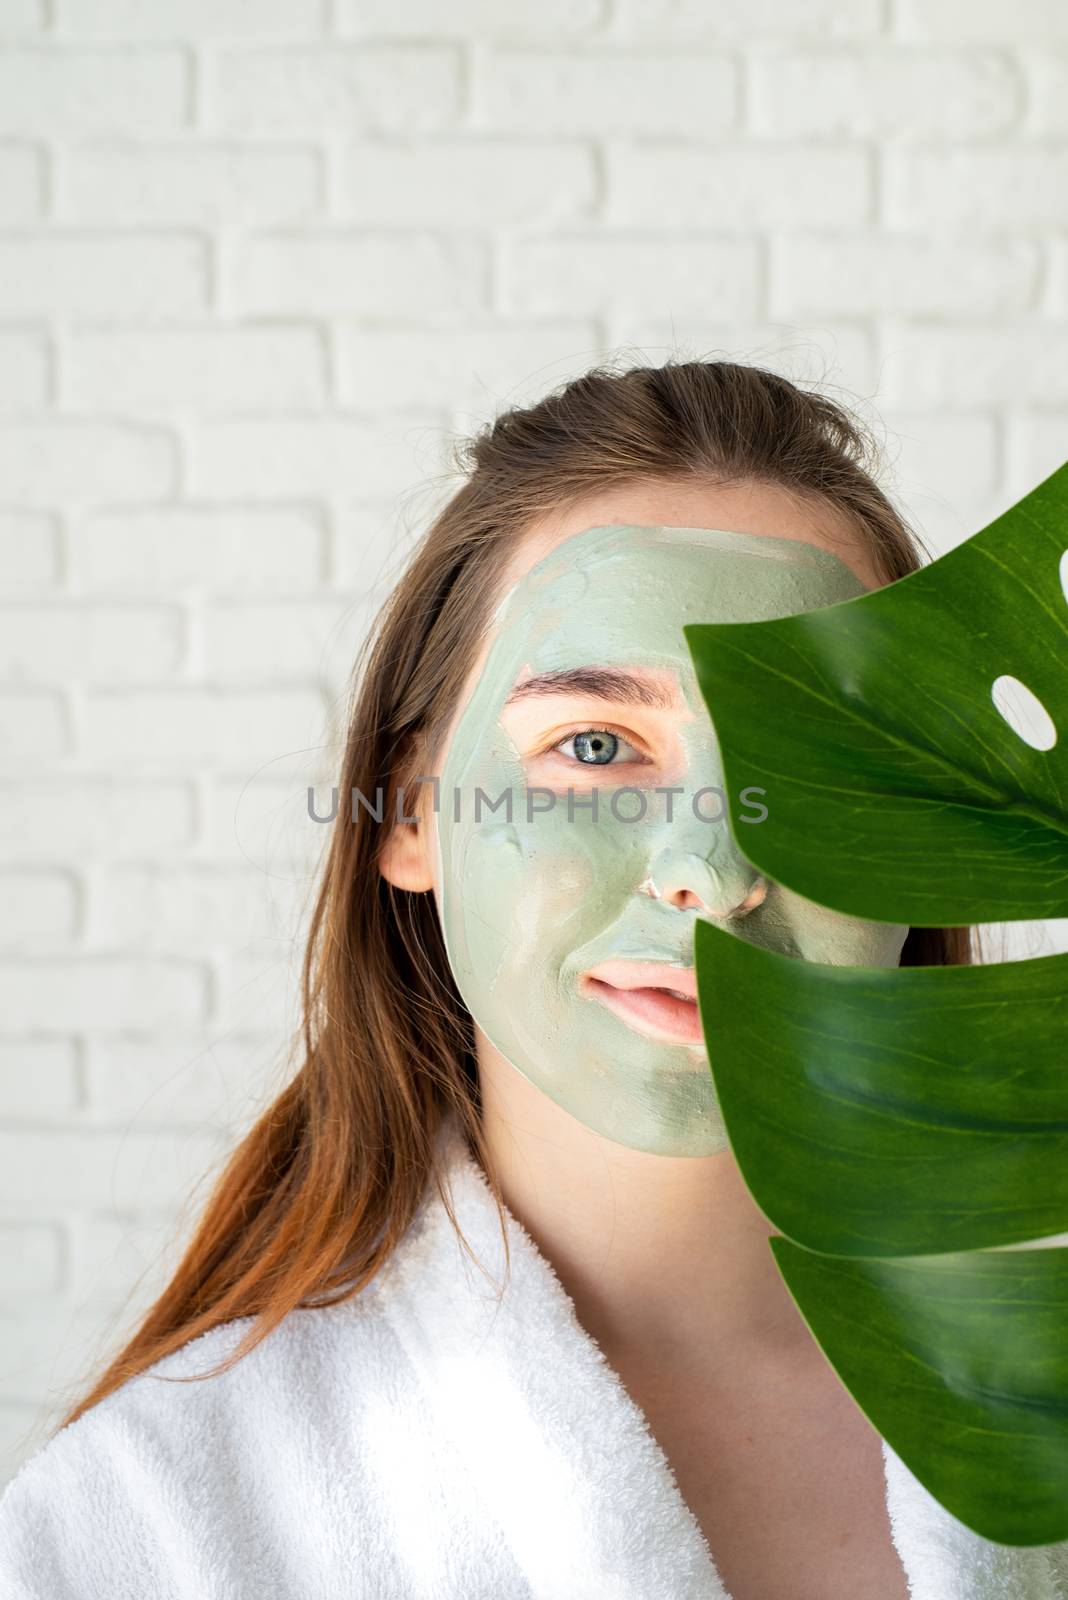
<point>602,683</point>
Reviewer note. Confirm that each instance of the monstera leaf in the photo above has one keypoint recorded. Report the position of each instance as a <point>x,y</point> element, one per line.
<point>908,1122</point>
<point>901,793</point>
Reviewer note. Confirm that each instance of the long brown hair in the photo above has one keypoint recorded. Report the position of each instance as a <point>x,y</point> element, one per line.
<point>322,1188</point>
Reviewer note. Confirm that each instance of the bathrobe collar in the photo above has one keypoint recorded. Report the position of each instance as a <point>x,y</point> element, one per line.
<point>564,1458</point>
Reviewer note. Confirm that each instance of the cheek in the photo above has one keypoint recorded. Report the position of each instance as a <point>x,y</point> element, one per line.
<point>532,884</point>
<point>830,937</point>
<point>531,894</point>
<point>883,942</point>
<point>556,902</point>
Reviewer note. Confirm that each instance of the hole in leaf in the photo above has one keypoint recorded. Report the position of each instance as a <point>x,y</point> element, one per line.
<point>1024,712</point>
<point>1064,573</point>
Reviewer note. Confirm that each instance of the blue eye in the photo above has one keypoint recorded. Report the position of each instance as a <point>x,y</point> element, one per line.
<point>595,747</point>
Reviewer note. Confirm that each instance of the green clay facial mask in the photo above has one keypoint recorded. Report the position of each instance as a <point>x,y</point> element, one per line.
<point>532,901</point>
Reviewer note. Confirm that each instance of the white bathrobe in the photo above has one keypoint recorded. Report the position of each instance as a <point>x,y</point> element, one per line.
<point>416,1443</point>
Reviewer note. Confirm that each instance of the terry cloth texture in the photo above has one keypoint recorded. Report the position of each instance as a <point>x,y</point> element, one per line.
<point>422,1441</point>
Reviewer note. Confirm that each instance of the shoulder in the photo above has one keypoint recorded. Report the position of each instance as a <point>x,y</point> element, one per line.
<point>176,1477</point>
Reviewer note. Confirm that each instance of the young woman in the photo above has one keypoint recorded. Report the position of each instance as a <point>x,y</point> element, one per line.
<point>481,1306</point>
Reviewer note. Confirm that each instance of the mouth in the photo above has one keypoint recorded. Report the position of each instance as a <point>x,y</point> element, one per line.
<point>653,997</point>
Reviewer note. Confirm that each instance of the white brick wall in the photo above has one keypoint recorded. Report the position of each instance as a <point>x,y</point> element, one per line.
<point>258,264</point>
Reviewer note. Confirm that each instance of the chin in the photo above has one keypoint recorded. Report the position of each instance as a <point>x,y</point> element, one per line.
<point>672,1116</point>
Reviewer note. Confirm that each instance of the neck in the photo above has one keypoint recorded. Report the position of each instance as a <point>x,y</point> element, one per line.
<point>666,1258</point>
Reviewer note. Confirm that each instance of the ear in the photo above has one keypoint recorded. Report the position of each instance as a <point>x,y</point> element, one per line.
<point>404,860</point>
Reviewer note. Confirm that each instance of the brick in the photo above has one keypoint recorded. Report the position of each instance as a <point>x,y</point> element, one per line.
<point>605,91</point>
<point>189,1082</point>
<point>24,1427</point>
<point>478,367</point>
<point>98,994</point>
<point>305,641</point>
<point>304,456</point>
<point>736,188</point>
<point>977,364</point>
<point>588,273</point>
<point>39,1077</point>
<point>206,370</point>
<point>266,550</point>
<point>23,16</point>
<point>29,552</point>
<point>90,643</point>
<point>943,524</point>
<point>1056,295</point>
<point>84,462</point>
<point>110,1255</point>
<point>863,275</point>
<point>359,274</point>
<point>86,275</point>
<point>207,184</point>
<point>211,19</point>
<point>959,22</point>
<point>96,818</point>
<point>664,20</point>
<point>47,1349</point>
<point>407,90</point>
<point>259,991</point>
<point>1047,96</point>
<point>1000,188</point>
<point>38,910</point>
<point>372,544</point>
<point>195,906</point>
<point>938,454</point>
<point>21,184</point>
<point>32,1258</point>
<point>34,726</point>
<point>184,1082</point>
<point>309,824</point>
<point>1046,938</point>
<point>469,183</point>
<point>83,92</point>
<point>266,819</point>
<point>839,355</point>
<point>884,94</point>
<point>1036,447</point>
<point>97,1168</point>
<point>24,373</point>
<point>480,17</point>
<point>172,728</point>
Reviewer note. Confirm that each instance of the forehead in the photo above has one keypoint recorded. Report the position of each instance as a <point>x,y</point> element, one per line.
<point>624,591</point>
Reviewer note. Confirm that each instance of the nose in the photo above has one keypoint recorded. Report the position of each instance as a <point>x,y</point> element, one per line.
<point>728,887</point>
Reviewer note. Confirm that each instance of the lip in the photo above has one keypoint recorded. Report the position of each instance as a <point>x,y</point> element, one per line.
<point>634,990</point>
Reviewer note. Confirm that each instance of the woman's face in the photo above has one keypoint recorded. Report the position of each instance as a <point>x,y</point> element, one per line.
<point>567,906</point>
